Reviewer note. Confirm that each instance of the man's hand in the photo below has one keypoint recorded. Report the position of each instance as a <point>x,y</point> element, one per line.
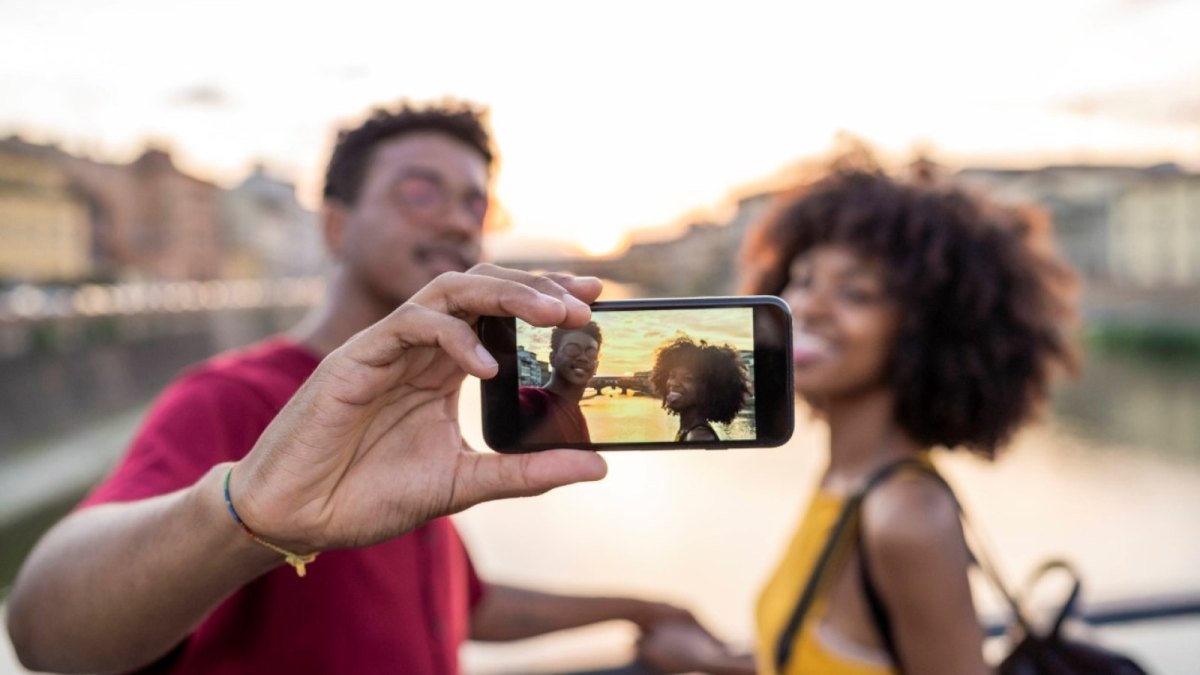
<point>649,615</point>
<point>370,447</point>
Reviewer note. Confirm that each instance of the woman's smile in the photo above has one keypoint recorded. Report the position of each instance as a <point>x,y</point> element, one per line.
<point>808,348</point>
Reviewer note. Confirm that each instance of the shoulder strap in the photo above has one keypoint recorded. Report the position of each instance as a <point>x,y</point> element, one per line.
<point>840,536</point>
<point>879,615</point>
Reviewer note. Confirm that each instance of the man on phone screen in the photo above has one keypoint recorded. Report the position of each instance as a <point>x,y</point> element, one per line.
<point>550,414</point>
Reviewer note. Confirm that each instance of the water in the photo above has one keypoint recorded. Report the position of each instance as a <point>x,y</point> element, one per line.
<point>614,417</point>
<point>1111,480</point>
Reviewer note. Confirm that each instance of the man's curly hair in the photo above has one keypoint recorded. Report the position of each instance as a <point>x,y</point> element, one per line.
<point>355,146</point>
<point>986,305</point>
<point>726,384</point>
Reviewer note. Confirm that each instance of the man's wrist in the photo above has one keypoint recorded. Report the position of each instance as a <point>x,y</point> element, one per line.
<point>206,501</point>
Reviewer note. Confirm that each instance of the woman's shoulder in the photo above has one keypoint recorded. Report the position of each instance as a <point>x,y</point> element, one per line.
<point>909,516</point>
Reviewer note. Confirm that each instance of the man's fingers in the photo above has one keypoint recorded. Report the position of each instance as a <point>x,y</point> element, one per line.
<point>496,476</point>
<point>575,292</point>
<point>561,285</point>
<point>416,326</point>
<point>470,295</point>
<point>439,313</point>
<point>586,289</point>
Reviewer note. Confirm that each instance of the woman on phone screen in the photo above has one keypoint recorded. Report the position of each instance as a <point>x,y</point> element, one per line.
<point>701,383</point>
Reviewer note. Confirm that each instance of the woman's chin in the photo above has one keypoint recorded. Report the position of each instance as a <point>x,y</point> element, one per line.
<point>812,388</point>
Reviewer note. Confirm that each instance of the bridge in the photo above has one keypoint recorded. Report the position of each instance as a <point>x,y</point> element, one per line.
<point>636,384</point>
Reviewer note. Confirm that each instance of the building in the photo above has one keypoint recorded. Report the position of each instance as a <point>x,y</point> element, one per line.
<point>45,232</point>
<point>267,233</point>
<point>530,371</point>
<point>1156,233</point>
<point>165,224</point>
<point>702,261</point>
<point>1079,198</point>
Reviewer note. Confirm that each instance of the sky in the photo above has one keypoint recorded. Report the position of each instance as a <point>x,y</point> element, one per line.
<point>631,337</point>
<point>616,116</point>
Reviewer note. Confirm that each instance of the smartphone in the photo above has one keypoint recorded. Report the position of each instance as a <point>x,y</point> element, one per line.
<point>644,374</point>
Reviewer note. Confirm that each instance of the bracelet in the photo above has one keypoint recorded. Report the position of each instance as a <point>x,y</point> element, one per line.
<point>294,559</point>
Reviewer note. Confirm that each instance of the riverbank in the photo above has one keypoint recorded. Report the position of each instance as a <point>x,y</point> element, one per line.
<point>1153,322</point>
<point>1156,341</point>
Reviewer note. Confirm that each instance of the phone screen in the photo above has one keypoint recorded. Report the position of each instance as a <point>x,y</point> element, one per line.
<point>652,376</point>
<point>636,376</point>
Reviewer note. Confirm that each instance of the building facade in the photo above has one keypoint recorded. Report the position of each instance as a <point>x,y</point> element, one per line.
<point>45,233</point>
<point>267,233</point>
<point>1156,233</point>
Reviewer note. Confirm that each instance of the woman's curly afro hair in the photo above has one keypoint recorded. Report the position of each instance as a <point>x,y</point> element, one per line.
<point>985,303</point>
<point>726,385</point>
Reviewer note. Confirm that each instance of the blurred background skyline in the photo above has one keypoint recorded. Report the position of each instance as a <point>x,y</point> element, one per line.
<point>608,121</point>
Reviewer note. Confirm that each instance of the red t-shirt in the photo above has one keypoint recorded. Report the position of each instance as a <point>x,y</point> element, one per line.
<point>547,417</point>
<point>402,606</point>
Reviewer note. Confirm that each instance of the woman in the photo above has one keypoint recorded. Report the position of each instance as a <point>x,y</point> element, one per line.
<point>924,318</point>
<point>701,383</point>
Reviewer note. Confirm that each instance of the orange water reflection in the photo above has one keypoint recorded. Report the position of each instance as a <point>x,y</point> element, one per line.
<point>617,418</point>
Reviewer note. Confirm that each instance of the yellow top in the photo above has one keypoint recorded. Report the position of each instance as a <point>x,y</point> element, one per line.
<point>815,649</point>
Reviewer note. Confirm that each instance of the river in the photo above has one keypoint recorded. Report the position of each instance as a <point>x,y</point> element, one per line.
<point>614,417</point>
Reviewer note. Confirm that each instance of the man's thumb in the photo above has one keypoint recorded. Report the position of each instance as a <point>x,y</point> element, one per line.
<point>498,476</point>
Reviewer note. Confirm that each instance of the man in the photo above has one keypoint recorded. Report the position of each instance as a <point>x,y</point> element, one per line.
<point>550,414</point>
<point>342,439</point>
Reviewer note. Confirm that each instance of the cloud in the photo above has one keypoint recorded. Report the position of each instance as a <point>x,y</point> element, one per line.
<point>201,96</point>
<point>346,72</point>
<point>1171,105</point>
<point>1171,101</point>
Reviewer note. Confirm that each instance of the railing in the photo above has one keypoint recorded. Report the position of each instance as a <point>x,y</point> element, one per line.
<point>27,303</point>
<point>1150,608</point>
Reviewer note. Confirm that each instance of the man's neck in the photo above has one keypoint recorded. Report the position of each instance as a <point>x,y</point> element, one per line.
<point>566,390</point>
<point>346,309</point>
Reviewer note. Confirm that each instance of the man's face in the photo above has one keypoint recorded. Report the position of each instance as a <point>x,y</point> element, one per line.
<point>420,212</point>
<point>576,359</point>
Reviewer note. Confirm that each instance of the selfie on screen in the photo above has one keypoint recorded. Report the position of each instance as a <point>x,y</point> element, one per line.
<point>639,377</point>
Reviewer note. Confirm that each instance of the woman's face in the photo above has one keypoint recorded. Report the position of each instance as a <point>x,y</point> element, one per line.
<point>684,389</point>
<point>844,322</point>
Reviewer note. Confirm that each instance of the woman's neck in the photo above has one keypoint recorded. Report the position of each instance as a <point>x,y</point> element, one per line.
<point>863,435</point>
<point>691,418</point>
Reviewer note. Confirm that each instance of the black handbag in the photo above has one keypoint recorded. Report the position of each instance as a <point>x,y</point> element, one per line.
<point>1049,653</point>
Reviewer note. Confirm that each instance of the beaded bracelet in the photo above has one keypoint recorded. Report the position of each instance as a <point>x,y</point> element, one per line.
<point>294,559</point>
